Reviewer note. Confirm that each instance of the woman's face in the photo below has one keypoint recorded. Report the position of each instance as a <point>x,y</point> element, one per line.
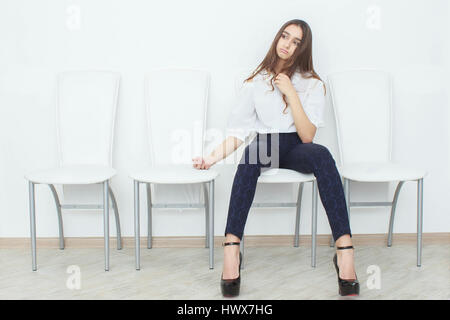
<point>289,41</point>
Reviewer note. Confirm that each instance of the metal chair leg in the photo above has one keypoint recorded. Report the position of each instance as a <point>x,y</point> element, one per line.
<point>314,224</point>
<point>241,248</point>
<point>106,222</point>
<point>347,196</point>
<point>297,216</point>
<point>136,226</point>
<point>211,224</point>
<point>419,220</point>
<point>393,207</point>
<point>331,241</point>
<point>149,216</point>
<point>205,196</point>
<point>117,219</point>
<point>32,225</point>
<point>60,221</point>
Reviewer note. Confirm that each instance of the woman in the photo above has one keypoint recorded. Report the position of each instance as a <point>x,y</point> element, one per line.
<point>293,109</point>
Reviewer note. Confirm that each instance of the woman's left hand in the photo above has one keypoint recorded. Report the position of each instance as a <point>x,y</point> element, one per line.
<point>283,82</point>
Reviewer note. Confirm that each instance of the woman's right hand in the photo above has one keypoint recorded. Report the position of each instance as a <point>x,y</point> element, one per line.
<point>203,163</point>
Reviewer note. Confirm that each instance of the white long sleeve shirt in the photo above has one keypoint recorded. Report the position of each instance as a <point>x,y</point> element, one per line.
<point>259,109</point>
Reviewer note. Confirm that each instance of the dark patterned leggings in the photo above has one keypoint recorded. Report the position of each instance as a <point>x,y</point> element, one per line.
<point>286,150</point>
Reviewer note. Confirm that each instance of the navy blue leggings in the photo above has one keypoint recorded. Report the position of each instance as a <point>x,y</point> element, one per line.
<point>286,150</point>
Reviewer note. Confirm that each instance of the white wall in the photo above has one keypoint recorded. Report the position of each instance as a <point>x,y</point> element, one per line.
<point>409,38</point>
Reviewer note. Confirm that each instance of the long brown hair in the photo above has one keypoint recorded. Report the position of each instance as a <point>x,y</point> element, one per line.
<point>301,59</point>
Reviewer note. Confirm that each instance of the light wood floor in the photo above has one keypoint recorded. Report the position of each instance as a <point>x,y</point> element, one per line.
<point>183,273</point>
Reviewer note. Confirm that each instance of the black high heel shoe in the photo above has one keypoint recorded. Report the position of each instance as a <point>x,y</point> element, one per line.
<point>230,287</point>
<point>347,287</point>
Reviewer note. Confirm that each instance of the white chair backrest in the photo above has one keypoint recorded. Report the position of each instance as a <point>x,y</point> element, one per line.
<point>176,104</point>
<point>363,110</point>
<point>86,108</point>
<point>238,84</point>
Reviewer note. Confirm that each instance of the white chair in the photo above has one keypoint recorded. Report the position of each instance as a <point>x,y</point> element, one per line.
<point>85,115</point>
<point>362,101</point>
<point>176,104</point>
<point>281,175</point>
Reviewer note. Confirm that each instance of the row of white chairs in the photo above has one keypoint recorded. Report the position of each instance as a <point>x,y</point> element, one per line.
<point>86,112</point>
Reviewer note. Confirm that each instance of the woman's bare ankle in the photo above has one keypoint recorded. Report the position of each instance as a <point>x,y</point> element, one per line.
<point>229,237</point>
<point>344,241</point>
<point>231,257</point>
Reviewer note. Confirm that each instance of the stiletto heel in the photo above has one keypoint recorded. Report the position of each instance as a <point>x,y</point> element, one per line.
<point>230,287</point>
<point>347,287</point>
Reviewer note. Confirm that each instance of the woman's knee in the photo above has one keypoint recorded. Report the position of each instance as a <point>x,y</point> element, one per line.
<point>322,152</point>
<point>248,169</point>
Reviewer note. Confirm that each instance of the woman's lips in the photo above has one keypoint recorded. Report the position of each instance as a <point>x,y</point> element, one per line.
<point>284,51</point>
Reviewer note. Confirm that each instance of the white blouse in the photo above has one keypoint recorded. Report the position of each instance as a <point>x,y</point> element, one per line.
<point>259,109</point>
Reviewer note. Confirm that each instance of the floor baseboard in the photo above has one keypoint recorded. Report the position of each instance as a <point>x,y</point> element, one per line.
<point>250,241</point>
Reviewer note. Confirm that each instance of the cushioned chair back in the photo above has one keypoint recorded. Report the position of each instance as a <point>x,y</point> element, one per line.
<point>361,101</point>
<point>86,108</point>
<point>176,104</point>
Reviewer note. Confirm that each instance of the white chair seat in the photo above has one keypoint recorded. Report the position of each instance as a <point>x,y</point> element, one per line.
<point>380,172</point>
<point>74,174</point>
<point>173,174</point>
<point>281,175</point>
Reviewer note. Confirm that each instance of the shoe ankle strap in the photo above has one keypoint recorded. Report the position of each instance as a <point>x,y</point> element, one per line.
<point>230,243</point>
<point>342,248</point>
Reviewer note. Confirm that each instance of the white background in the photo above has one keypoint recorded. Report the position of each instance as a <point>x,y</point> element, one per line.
<point>409,38</point>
